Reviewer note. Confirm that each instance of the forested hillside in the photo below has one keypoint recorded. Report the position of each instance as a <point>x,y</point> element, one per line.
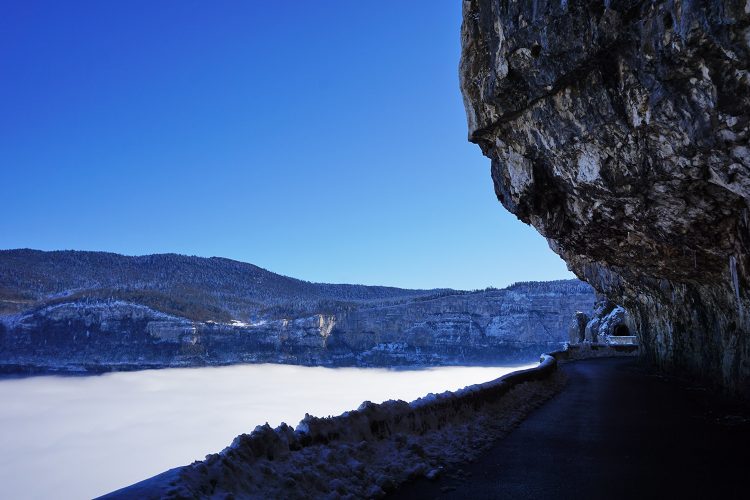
<point>197,288</point>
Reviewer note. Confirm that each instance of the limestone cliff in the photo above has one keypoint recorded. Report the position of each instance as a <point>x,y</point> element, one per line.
<point>489,326</point>
<point>619,130</point>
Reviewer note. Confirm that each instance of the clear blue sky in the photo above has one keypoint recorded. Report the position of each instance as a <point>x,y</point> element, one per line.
<point>324,140</point>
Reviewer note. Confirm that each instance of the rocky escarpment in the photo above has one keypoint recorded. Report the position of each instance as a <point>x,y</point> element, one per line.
<point>619,130</point>
<point>608,324</point>
<point>490,326</point>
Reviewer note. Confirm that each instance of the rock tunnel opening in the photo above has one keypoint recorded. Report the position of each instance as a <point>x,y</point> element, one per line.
<point>621,331</point>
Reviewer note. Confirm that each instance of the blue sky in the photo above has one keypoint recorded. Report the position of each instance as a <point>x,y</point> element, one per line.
<point>324,140</point>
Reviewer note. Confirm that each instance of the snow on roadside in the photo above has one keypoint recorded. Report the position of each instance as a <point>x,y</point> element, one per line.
<point>366,452</point>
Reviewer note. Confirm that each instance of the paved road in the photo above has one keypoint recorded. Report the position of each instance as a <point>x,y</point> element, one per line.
<point>615,431</point>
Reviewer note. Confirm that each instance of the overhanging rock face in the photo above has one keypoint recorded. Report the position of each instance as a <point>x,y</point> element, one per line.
<point>619,130</point>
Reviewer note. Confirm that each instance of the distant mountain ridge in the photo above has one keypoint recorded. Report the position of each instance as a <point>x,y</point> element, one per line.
<point>199,288</point>
<point>77,311</point>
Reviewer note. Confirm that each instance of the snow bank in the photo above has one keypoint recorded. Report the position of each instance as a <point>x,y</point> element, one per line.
<point>361,453</point>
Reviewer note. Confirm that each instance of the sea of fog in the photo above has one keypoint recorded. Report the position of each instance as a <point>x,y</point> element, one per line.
<point>79,437</point>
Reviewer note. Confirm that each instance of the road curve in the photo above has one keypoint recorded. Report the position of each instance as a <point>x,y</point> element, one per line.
<point>615,431</point>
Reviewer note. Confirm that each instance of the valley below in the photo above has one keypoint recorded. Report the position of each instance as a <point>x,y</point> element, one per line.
<point>238,346</point>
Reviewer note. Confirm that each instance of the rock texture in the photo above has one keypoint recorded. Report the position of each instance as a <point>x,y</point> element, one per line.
<point>577,328</point>
<point>609,323</point>
<point>619,130</point>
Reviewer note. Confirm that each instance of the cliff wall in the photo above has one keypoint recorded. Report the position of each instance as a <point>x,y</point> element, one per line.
<point>619,130</point>
<point>493,326</point>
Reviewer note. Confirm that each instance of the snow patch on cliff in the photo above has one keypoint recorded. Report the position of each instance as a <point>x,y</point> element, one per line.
<point>103,307</point>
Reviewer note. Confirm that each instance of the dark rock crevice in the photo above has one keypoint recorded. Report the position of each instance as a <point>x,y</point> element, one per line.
<point>619,130</point>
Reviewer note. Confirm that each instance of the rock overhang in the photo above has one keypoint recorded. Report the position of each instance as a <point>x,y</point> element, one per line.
<point>619,130</point>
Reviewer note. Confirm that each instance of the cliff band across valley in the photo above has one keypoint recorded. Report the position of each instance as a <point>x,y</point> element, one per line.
<point>94,311</point>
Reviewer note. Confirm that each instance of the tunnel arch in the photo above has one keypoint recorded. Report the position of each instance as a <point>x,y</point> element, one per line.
<point>621,331</point>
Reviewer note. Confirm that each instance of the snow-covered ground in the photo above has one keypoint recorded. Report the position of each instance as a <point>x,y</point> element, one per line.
<point>362,453</point>
<point>78,437</point>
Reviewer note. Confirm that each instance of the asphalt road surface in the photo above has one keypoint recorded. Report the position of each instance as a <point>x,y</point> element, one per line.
<point>615,431</point>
